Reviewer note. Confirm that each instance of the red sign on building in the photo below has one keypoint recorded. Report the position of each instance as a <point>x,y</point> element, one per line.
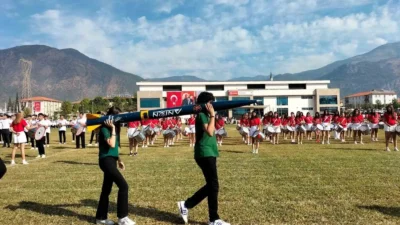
<point>233,93</point>
<point>36,106</point>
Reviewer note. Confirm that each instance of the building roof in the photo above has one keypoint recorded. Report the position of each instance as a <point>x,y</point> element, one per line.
<point>150,83</point>
<point>39,99</point>
<point>375,92</point>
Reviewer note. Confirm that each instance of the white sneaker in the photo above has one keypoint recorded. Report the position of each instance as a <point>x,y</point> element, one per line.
<point>32,148</point>
<point>36,148</point>
<point>376,139</point>
<point>89,144</point>
<point>43,156</point>
<point>396,149</point>
<point>12,162</point>
<point>362,143</point>
<point>387,149</point>
<point>183,211</point>
<point>355,142</point>
<point>126,221</point>
<point>104,222</point>
<point>25,162</point>
<point>256,151</point>
<point>328,143</point>
<point>322,142</point>
<point>96,144</point>
<point>219,222</point>
<point>39,156</point>
<point>48,145</point>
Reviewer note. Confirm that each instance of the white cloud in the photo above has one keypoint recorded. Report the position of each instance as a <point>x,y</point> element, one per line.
<point>223,43</point>
<point>166,6</point>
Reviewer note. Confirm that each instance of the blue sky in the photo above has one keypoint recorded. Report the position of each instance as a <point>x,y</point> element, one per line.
<point>210,38</point>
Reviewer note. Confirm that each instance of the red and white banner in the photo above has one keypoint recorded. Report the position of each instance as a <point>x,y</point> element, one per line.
<point>180,98</point>
<point>36,106</point>
<point>174,99</point>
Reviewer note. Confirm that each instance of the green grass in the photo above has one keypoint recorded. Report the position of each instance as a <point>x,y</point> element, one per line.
<point>284,184</point>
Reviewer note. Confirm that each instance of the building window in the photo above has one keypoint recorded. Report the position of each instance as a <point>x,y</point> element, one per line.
<point>214,87</point>
<point>261,99</point>
<point>282,111</point>
<point>240,98</point>
<point>282,100</point>
<point>297,86</point>
<point>217,99</point>
<point>149,102</point>
<point>172,87</point>
<point>328,100</point>
<point>310,108</point>
<point>307,97</point>
<point>238,112</point>
<point>256,86</point>
<point>223,113</point>
<point>331,110</point>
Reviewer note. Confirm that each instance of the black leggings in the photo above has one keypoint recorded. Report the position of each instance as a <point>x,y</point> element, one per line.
<point>40,145</point>
<point>61,136</point>
<point>210,191</point>
<point>92,136</point>
<point>80,140</point>
<point>6,137</point>
<point>3,168</point>
<point>47,138</point>
<point>111,175</point>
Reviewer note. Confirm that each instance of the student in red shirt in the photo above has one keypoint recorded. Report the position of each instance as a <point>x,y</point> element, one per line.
<point>317,121</point>
<point>390,120</point>
<point>326,123</point>
<point>255,128</point>
<point>374,118</point>
<point>219,128</point>
<point>356,120</point>
<point>300,121</point>
<point>292,124</point>
<point>342,121</point>
<point>145,125</point>
<point>276,123</point>
<point>349,126</point>
<point>245,123</point>
<point>133,143</point>
<point>179,128</point>
<point>166,126</point>
<point>309,124</point>
<point>192,133</point>
<point>17,128</point>
<point>284,122</point>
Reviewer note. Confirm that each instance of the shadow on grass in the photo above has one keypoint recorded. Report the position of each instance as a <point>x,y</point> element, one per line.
<point>60,210</point>
<point>353,149</point>
<point>77,163</point>
<point>60,147</point>
<point>391,211</point>
<point>233,151</point>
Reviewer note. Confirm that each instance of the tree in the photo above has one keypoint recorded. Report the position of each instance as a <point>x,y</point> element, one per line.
<point>27,111</point>
<point>378,104</point>
<point>10,105</point>
<point>16,106</point>
<point>118,102</point>
<point>66,108</point>
<point>131,104</point>
<point>367,106</point>
<point>85,105</point>
<point>75,108</point>
<point>395,104</point>
<point>99,104</point>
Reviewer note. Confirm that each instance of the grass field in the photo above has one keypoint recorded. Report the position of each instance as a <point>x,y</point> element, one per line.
<point>283,184</point>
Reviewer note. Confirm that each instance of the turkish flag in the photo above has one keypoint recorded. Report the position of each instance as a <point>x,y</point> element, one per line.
<point>174,99</point>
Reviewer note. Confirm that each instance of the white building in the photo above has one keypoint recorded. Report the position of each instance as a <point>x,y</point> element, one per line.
<point>385,97</point>
<point>280,96</point>
<point>43,105</point>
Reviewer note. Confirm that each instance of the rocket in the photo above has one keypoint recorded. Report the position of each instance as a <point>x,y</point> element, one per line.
<point>96,120</point>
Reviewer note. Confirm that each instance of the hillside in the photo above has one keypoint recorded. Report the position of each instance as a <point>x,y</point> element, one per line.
<point>64,74</point>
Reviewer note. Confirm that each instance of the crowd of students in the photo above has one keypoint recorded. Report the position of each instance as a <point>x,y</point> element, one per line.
<point>298,127</point>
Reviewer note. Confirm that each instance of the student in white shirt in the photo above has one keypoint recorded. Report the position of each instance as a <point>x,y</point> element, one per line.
<point>5,131</point>
<point>73,122</point>
<point>40,143</point>
<point>80,139</point>
<point>62,127</point>
<point>48,129</point>
<point>33,124</point>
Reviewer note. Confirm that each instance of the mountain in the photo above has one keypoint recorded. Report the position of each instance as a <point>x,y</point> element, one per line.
<point>377,69</point>
<point>63,74</point>
<point>178,79</point>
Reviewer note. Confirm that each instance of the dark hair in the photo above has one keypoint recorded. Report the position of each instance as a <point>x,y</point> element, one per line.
<point>390,106</point>
<point>355,110</point>
<point>326,112</point>
<point>317,115</point>
<point>205,97</point>
<point>115,111</point>
<point>41,114</point>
